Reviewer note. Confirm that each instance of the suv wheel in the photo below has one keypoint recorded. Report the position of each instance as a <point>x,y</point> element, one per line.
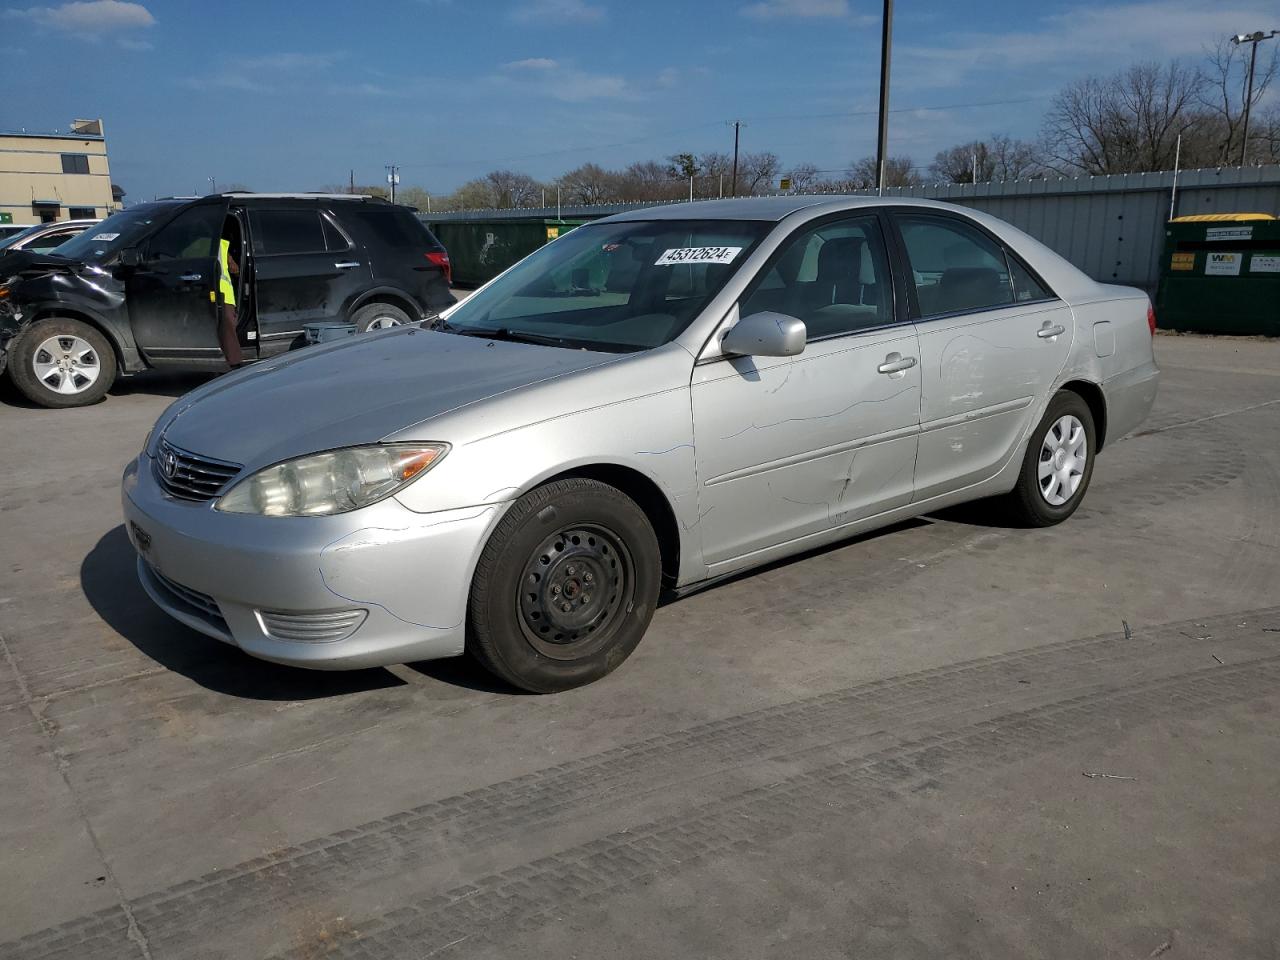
<point>60,362</point>
<point>379,316</point>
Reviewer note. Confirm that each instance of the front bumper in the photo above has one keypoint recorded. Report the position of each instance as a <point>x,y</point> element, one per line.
<point>233,576</point>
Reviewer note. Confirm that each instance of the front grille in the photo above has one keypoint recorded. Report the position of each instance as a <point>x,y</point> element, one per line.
<point>323,627</point>
<point>192,601</point>
<point>190,476</point>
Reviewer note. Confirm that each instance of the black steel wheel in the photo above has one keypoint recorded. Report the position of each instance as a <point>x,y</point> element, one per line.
<point>565,587</point>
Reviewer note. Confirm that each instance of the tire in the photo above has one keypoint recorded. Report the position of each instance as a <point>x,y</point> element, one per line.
<point>379,316</point>
<point>1043,501</point>
<point>61,362</point>
<point>562,543</point>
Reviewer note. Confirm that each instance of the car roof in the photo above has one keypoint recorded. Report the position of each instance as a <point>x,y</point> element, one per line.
<point>770,208</point>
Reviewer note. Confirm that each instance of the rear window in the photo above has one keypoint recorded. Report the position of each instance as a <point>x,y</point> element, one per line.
<point>391,227</point>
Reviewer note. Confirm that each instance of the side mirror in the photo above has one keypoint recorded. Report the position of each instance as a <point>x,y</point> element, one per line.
<point>765,334</point>
<point>130,257</point>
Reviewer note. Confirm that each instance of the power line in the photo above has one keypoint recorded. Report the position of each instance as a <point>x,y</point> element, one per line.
<point>716,123</point>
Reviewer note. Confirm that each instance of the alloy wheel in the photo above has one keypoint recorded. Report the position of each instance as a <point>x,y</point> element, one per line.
<point>66,364</point>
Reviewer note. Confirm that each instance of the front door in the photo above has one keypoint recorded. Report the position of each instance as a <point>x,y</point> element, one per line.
<point>172,293</point>
<point>306,269</point>
<point>993,339</point>
<point>793,446</point>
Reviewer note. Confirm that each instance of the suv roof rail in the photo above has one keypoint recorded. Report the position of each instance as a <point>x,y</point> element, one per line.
<point>300,195</point>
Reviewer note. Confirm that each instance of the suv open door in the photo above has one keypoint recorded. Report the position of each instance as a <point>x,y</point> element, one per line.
<point>172,292</point>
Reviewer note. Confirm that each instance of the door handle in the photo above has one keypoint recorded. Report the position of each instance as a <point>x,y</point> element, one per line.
<point>347,264</point>
<point>896,365</point>
<point>191,277</point>
<point>1049,331</point>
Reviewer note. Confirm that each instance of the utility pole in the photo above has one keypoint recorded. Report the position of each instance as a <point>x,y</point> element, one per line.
<point>733,182</point>
<point>1254,38</point>
<point>351,188</point>
<point>393,178</point>
<point>975,169</point>
<point>882,141</point>
<point>213,185</point>
<point>691,188</point>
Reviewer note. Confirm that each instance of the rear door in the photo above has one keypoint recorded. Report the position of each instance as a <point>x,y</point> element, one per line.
<point>993,340</point>
<point>171,295</point>
<point>306,269</point>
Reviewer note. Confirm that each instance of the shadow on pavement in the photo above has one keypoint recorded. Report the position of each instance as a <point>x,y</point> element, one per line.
<point>161,383</point>
<point>110,582</point>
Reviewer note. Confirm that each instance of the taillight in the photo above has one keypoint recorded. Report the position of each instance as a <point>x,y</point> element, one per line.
<point>1151,318</point>
<point>441,260</point>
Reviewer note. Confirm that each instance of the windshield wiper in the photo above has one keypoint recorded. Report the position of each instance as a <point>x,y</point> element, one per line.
<point>515,336</point>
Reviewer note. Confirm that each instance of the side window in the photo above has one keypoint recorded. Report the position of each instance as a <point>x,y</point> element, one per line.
<point>75,163</point>
<point>834,277</point>
<point>286,231</point>
<point>192,233</point>
<point>956,267</point>
<point>51,241</point>
<point>1025,286</point>
<point>334,239</point>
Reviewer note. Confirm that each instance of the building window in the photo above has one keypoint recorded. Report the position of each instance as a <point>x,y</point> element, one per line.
<point>82,213</point>
<point>75,163</point>
<point>47,211</point>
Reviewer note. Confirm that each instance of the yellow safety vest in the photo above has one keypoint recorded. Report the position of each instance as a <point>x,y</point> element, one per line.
<point>225,286</point>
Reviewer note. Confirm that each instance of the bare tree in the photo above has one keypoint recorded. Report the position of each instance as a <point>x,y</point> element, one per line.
<point>999,158</point>
<point>1123,123</point>
<point>1265,148</point>
<point>646,180</point>
<point>512,189</point>
<point>804,177</point>
<point>472,195</point>
<point>1222,97</point>
<point>862,175</point>
<point>590,183</point>
<point>756,172</point>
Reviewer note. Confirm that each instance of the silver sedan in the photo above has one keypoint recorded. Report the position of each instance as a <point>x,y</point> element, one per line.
<point>653,401</point>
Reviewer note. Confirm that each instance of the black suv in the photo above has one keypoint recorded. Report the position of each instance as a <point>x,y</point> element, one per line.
<point>140,289</point>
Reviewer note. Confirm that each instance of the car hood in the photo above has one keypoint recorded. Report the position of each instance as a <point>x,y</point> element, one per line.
<point>361,390</point>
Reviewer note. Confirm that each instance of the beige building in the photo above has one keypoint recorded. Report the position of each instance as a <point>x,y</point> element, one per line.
<point>55,176</point>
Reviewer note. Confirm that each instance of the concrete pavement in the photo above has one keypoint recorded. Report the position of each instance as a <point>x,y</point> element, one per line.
<point>876,750</point>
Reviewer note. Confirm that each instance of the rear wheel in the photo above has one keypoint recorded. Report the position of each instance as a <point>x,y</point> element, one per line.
<point>1058,464</point>
<point>565,587</point>
<point>62,362</point>
<point>379,316</point>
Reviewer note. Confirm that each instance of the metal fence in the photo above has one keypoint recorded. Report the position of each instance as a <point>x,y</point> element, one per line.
<point>1110,227</point>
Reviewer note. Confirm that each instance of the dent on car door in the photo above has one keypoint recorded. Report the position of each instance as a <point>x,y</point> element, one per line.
<point>793,446</point>
<point>993,340</point>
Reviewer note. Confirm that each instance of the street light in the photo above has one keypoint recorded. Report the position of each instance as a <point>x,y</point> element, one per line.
<point>1254,38</point>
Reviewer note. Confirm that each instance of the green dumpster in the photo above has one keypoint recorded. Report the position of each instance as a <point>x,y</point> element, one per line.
<point>479,250</point>
<point>1220,273</point>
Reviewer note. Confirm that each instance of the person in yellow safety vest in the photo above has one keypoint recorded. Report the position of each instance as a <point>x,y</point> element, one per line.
<point>229,273</point>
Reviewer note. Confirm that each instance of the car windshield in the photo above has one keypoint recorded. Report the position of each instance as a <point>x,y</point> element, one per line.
<point>113,234</point>
<point>13,238</point>
<point>617,287</point>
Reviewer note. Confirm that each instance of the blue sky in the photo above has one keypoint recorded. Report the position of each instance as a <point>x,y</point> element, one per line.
<point>292,95</point>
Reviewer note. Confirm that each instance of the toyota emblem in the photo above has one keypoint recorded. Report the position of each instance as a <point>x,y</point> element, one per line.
<point>169,464</point>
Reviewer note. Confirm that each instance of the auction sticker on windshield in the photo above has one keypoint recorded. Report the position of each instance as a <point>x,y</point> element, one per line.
<point>105,237</point>
<point>697,255</point>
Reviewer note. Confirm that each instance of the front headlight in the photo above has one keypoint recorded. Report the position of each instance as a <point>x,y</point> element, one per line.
<point>334,482</point>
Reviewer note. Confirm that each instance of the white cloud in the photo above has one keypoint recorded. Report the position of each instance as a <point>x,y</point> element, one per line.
<point>1081,40</point>
<point>790,9</point>
<point>90,17</point>
<point>532,63</point>
<point>267,73</point>
<point>552,79</point>
<point>558,11</point>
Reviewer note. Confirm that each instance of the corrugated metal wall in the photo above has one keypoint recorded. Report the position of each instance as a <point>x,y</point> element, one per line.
<point>1111,227</point>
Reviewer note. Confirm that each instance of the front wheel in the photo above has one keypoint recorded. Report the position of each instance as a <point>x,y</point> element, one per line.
<point>379,316</point>
<point>1058,464</point>
<point>565,587</point>
<point>62,362</point>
